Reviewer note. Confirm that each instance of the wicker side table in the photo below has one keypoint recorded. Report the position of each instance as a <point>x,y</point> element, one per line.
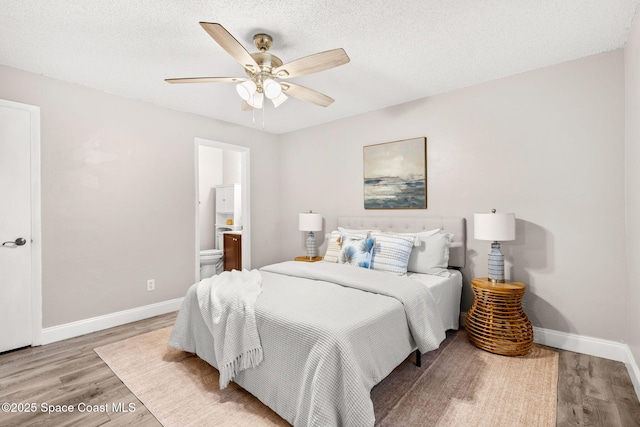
<point>496,321</point>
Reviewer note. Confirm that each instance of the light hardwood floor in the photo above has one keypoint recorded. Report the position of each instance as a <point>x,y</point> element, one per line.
<point>591,391</point>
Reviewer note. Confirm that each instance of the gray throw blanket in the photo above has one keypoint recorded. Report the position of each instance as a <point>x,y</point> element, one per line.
<point>227,304</point>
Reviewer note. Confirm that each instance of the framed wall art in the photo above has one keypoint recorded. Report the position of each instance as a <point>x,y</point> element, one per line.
<point>395,174</point>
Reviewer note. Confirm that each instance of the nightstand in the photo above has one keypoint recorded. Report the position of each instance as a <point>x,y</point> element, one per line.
<point>307,259</point>
<point>496,321</point>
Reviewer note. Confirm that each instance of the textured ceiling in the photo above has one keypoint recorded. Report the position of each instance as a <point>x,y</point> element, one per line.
<point>400,51</point>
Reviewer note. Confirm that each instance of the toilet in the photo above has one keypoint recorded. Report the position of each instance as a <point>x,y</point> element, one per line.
<point>211,263</point>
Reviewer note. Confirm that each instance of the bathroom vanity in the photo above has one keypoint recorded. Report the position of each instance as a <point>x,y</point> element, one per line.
<point>232,250</point>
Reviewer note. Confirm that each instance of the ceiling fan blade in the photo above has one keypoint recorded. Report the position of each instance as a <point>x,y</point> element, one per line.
<point>245,106</point>
<point>312,63</point>
<point>205,80</point>
<point>231,45</point>
<point>306,94</point>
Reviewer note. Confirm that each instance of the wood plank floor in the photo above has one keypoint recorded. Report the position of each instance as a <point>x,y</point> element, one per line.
<point>591,391</point>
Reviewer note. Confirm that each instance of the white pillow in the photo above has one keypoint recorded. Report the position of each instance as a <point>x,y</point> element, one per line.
<point>354,231</point>
<point>432,256</point>
<point>419,235</point>
<point>333,246</point>
<point>392,251</point>
<point>357,252</point>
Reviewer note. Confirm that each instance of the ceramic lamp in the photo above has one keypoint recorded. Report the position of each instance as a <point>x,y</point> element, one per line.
<point>495,227</point>
<point>310,222</point>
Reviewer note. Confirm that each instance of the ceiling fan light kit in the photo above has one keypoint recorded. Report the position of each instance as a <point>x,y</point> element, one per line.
<point>256,100</point>
<point>246,89</point>
<point>264,68</point>
<point>277,101</point>
<point>271,88</point>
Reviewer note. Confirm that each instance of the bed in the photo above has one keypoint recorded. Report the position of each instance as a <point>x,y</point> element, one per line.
<point>331,331</point>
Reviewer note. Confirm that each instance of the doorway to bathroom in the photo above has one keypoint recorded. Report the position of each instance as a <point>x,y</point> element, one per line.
<point>222,175</point>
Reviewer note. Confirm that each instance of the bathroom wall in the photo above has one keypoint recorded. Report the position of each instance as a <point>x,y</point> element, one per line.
<point>210,174</point>
<point>231,167</point>
<point>215,167</point>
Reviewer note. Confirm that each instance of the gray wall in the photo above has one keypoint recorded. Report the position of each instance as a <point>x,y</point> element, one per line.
<point>118,188</point>
<point>118,196</point>
<point>632,157</point>
<point>548,145</point>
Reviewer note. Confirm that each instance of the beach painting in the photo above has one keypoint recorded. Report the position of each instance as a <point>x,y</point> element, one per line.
<point>395,175</point>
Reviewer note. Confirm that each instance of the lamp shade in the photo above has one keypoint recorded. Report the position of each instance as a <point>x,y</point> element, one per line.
<point>256,100</point>
<point>277,101</point>
<point>496,227</point>
<point>246,89</point>
<point>271,88</point>
<point>309,221</point>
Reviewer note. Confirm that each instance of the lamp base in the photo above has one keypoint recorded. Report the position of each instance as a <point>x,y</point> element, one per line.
<point>312,252</point>
<point>496,264</point>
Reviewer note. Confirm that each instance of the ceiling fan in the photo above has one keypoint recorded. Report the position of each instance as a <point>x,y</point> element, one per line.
<point>264,70</point>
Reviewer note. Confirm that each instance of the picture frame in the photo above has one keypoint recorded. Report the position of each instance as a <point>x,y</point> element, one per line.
<point>395,174</point>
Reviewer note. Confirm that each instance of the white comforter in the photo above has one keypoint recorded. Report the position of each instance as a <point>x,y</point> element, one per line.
<point>329,333</point>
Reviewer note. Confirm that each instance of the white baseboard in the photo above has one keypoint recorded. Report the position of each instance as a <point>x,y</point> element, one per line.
<point>81,327</point>
<point>592,346</point>
<point>586,345</point>
<point>582,344</point>
<point>634,372</point>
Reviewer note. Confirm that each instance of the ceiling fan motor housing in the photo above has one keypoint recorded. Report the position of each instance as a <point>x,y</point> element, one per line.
<point>263,41</point>
<point>267,63</point>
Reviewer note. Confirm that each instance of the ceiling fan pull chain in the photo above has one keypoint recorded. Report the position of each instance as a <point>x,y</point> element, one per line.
<point>264,107</point>
<point>253,112</point>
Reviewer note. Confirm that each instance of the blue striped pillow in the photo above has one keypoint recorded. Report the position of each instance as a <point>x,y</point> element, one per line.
<point>392,252</point>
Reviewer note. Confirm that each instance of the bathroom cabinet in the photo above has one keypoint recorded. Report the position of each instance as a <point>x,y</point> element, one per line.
<point>228,205</point>
<point>232,251</point>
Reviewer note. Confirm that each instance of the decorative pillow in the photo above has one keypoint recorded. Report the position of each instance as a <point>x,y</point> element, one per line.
<point>419,235</point>
<point>422,235</point>
<point>333,246</point>
<point>357,252</point>
<point>392,252</point>
<point>354,231</point>
<point>432,256</point>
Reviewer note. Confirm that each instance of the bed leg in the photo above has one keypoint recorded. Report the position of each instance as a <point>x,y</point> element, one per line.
<point>418,359</point>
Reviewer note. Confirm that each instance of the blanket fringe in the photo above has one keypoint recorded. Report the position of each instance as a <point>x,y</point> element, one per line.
<point>248,359</point>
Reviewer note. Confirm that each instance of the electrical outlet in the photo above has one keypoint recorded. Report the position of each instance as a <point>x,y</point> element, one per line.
<point>151,285</point>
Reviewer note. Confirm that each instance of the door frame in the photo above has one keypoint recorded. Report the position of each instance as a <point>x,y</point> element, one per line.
<point>245,191</point>
<point>35,247</point>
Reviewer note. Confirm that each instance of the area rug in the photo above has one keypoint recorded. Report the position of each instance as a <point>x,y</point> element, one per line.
<point>461,386</point>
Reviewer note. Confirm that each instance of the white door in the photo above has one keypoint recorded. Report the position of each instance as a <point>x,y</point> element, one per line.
<point>16,269</point>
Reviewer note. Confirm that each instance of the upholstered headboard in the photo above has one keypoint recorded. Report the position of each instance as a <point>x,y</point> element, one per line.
<point>456,226</point>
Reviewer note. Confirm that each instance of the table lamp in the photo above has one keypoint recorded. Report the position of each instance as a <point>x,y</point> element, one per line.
<point>310,222</point>
<point>495,227</point>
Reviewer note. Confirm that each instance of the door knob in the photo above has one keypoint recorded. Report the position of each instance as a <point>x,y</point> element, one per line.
<point>18,242</point>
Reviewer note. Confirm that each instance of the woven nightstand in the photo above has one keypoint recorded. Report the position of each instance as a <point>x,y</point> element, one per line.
<point>496,321</point>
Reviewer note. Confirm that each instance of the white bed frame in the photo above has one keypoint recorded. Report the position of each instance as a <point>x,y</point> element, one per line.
<point>455,225</point>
